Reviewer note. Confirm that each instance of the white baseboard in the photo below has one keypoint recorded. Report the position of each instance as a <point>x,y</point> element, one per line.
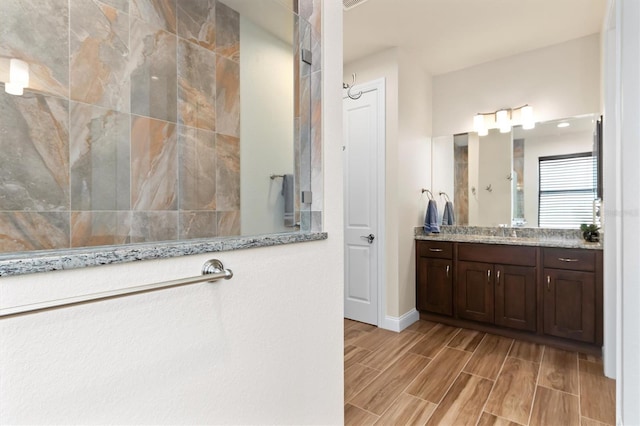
<point>398,324</point>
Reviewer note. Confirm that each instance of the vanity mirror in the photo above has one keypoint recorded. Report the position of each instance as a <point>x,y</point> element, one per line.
<point>543,177</point>
<point>146,121</point>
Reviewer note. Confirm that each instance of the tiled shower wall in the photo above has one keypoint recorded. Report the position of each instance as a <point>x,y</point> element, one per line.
<point>129,131</point>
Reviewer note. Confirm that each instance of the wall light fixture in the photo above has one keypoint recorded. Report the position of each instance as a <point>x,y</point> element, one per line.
<point>503,119</point>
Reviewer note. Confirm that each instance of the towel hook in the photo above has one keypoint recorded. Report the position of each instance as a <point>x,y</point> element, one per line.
<point>446,197</point>
<point>429,194</point>
<point>350,86</point>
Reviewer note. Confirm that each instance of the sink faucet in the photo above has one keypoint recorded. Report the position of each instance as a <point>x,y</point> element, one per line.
<point>513,233</point>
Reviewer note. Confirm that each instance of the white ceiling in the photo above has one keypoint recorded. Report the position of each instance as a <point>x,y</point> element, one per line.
<point>448,35</point>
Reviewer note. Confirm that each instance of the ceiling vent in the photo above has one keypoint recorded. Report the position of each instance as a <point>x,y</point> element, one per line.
<point>350,4</point>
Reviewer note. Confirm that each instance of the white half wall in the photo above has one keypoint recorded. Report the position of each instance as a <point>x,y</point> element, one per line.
<point>558,81</point>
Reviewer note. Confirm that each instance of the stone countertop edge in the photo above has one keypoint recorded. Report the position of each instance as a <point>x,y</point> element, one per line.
<point>64,259</point>
<point>517,241</point>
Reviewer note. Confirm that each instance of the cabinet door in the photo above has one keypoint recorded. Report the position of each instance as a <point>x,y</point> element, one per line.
<point>515,304</point>
<point>434,292</point>
<point>474,291</point>
<point>569,304</point>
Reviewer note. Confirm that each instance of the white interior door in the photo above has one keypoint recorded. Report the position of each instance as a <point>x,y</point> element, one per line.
<point>363,121</point>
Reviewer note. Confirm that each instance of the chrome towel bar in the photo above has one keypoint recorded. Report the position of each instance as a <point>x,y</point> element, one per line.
<point>212,270</point>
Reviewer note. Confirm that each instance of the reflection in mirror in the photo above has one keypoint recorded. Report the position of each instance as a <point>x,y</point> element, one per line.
<point>546,176</point>
<point>156,123</point>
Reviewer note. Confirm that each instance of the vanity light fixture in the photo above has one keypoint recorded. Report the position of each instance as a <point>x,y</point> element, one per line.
<point>503,119</point>
<point>18,77</point>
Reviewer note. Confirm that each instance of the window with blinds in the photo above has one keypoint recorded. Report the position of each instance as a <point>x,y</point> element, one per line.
<point>568,186</point>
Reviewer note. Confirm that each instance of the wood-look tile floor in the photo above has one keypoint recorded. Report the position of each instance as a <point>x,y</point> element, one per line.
<point>435,374</point>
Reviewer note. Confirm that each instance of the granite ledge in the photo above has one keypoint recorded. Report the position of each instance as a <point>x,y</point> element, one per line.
<point>54,260</point>
<point>514,241</point>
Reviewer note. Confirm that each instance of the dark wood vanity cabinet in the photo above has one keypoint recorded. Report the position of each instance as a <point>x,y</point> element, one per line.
<point>546,295</point>
<point>572,294</point>
<point>434,277</point>
<point>497,293</point>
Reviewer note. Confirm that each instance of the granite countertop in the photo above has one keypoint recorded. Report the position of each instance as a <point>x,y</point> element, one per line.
<point>53,260</point>
<point>525,237</point>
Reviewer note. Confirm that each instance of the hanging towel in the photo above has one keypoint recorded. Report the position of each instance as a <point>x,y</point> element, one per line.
<point>431,218</point>
<point>287,193</point>
<point>448,218</point>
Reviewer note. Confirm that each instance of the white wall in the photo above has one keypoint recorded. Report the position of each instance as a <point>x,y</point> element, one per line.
<point>413,171</point>
<point>266,108</point>
<point>264,347</point>
<point>558,81</point>
<point>408,165</point>
<point>534,148</point>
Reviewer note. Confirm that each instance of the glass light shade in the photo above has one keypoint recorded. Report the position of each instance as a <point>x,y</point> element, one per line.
<point>19,72</point>
<point>526,117</point>
<point>13,89</point>
<point>502,120</point>
<point>479,125</point>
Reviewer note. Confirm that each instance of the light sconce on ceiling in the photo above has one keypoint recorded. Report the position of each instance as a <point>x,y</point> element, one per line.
<point>18,77</point>
<point>503,119</point>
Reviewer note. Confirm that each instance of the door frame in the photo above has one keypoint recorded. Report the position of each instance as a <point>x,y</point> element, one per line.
<point>380,86</point>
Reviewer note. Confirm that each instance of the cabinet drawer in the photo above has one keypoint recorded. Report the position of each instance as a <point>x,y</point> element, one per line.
<point>573,259</point>
<point>437,249</point>
<point>506,255</point>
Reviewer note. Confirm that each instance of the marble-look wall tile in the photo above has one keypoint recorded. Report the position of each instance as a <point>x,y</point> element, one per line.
<point>198,224</point>
<point>197,170</point>
<point>99,55</point>
<point>34,141</point>
<point>37,31</point>
<point>99,156</point>
<point>227,32</point>
<point>227,173</point>
<point>154,226</point>
<point>91,228</point>
<point>196,86</point>
<point>461,184</point>
<point>229,223</point>
<point>153,75</point>
<point>24,231</point>
<point>159,13</point>
<point>154,160</point>
<point>197,22</point>
<point>122,5</point>
<point>227,96</point>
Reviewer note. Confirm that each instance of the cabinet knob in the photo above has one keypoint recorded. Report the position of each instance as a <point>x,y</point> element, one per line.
<point>447,271</point>
<point>564,259</point>
<point>436,250</point>
<point>489,276</point>
<point>498,277</point>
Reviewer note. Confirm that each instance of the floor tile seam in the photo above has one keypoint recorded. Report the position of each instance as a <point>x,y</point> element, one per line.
<point>493,385</point>
<point>558,390</point>
<point>458,375</point>
<point>535,389</point>
<point>502,417</point>
<point>390,405</point>
<point>579,389</point>
<point>363,409</point>
<point>524,359</point>
<point>404,390</point>
<point>364,387</point>
<point>594,420</point>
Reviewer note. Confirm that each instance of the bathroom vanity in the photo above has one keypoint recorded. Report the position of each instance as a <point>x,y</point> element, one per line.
<point>542,289</point>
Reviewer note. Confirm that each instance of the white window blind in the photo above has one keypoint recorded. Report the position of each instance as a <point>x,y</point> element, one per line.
<point>567,190</point>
